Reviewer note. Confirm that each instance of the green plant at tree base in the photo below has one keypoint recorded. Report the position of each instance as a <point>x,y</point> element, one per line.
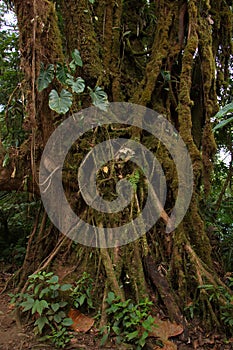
<point>46,298</point>
<point>60,336</point>
<point>17,212</point>
<point>221,298</point>
<point>225,306</point>
<point>131,323</point>
<point>45,301</point>
<point>81,292</point>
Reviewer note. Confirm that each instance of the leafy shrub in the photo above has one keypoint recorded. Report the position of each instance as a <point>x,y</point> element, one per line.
<point>129,322</point>
<point>226,307</point>
<point>45,301</point>
<point>81,292</point>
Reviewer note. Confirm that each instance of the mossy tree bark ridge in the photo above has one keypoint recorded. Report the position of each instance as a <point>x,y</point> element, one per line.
<point>160,54</point>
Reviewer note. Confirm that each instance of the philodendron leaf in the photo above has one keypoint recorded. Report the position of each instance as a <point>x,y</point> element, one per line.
<point>60,104</point>
<point>61,73</point>
<point>77,85</point>
<point>77,58</point>
<point>45,77</point>
<point>99,98</point>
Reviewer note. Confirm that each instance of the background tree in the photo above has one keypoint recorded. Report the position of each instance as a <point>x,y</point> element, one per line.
<point>159,54</point>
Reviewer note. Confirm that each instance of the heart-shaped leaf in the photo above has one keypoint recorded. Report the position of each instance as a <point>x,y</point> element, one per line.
<point>61,73</point>
<point>60,104</point>
<point>40,323</point>
<point>45,77</point>
<point>77,85</point>
<point>99,98</point>
<point>67,322</point>
<point>77,58</point>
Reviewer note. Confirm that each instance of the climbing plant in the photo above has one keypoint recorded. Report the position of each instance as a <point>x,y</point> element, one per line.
<point>170,56</point>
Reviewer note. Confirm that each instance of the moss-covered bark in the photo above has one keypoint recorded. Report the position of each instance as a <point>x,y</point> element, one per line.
<point>149,54</point>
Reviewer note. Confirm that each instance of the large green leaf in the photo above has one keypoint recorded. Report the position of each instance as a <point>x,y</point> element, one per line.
<point>40,323</point>
<point>77,58</point>
<point>132,335</point>
<point>60,104</point>
<point>57,318</point>
<point>61,73</point>
<point>67,322</point>
<point>77,85</point>
<point>110,298</point>
<point>28,304</point>
<point>223,123</point>
<point>99,98</point>
<point>225,110</point>
<point>45,77</point>
<point>65,287</point>
<point>40,306</point>
<point>104,339</point>
<point>55,306</point>
<point>53,279</point>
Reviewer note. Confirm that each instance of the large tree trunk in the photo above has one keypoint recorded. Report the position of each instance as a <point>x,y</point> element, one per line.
<point>128,47</point>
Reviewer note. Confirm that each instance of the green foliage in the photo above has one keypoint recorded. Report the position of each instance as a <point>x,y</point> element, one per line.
<point>134,179</point>
<point>224,115</point>
<point>77,61</point>
<point>166,75</point>
<point>61,73</point>
<point>46,76</point>
<point>218,206</point>
<point>60,104</point>
<point>72,85</point>
<point>9,57</point>
<point>129,322</point>
<point>11,104</point>
<point>218,218</point>
<point>17,214</point>
<point>222,297</point>
<point>45,300</point>
<point>82,292</point>
<point>99,98</point>
<point>60,337</point>
<point>77,85</point>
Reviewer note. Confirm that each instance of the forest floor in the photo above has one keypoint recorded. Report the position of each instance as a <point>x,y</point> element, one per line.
<point>14,336</point>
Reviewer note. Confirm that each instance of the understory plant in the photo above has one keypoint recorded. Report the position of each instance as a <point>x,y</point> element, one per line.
<point>45,302</point>
<point>81,293</point>
<point>128,322</point>
<point>222,297</point>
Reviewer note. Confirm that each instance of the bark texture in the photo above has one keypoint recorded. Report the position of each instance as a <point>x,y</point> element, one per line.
<point>162,55</point>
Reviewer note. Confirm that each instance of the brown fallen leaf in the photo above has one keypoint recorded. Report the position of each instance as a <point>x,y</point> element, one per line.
<point>81,322</point>
<point>164,330</point>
